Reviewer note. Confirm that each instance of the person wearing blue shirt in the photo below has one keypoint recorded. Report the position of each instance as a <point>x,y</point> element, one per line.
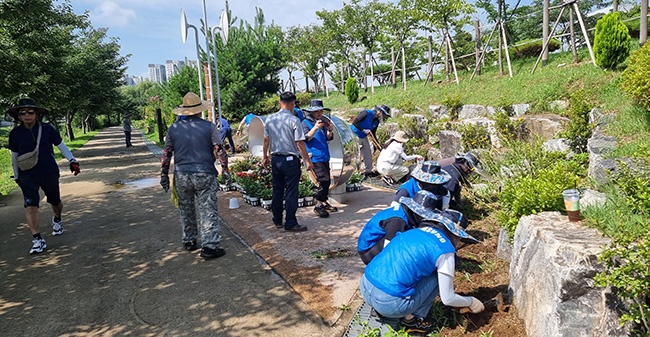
<point>366,122</point>
<point>385,225</point>
<point>419,264</point>
<point>245,122</point>
<point>226,132</point>
<point>33,135</point>
<point>318,132</point>
<point>428,176</point>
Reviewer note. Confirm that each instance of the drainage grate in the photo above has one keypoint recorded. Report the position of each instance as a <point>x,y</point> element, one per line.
<point>367,315</point>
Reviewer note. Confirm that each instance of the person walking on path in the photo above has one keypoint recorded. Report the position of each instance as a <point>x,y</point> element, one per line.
<point>126,123</point>
<point>318,132</point>
<point>32,157</point>
<point>195,144</point>
<point>389,163</point>
<point>284,143</point>
<point>404,279</point>
<point>226,132</point>
<point>366,122</point>
<point>428,176</point>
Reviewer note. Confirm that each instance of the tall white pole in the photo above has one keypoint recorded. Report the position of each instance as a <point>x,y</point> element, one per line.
<point>216,72</point>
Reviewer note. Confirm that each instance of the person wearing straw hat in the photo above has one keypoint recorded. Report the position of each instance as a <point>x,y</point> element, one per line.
<point>365,123</point>
<point>428,176</point>
<point>318,132</point>
<point>195,144</point>
<point>385,224</point>
<point>284,144</point>
<point>32,158</point>
<point>419,264</point>
<point>389,162</point>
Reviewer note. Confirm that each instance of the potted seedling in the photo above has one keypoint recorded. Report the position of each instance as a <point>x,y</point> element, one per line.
<point>266,194</point>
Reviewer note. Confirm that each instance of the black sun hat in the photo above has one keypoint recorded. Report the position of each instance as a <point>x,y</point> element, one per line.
<point>25,103</point>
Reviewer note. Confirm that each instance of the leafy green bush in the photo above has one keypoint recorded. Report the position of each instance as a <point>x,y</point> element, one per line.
<point>612,41</point>
<point>533,48</point>
<point>302,99</point>
<point>351,90</point>
<point>268,105</point>
<point>453,103</point>
<point>508,129</point>
<point>475,136</point>
<point>636,78</point>
<point>579,130</point>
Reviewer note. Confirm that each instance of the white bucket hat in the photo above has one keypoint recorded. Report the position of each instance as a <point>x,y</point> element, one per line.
<point>192,105</point>
<point>400,136</point>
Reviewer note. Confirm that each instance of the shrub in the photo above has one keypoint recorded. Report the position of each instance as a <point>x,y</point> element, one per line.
<point>475,136</point>
<point>507,128</point>
<point>351,90</point>
<point>533,48</point>
<point>452,102</point>
<point>302,99</point>
<point>636,78</point>
<point>268,105</point>
<point>578,131</point>
<point>612,41</point>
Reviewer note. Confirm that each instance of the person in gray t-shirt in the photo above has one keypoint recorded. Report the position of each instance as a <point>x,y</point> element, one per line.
<point>284,143</point>
<point>127,128</point>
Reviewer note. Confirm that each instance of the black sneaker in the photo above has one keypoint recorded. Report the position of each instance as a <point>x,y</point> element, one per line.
<point>278,225</point>
<point>209,253</point>
<point>296,228</point>
<point>330,208</point>
<point>190,245</point>
<point>416,324</point>
<point>320,210</point>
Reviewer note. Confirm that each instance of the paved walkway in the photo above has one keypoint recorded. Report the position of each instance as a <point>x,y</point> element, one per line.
<point>120,270</point>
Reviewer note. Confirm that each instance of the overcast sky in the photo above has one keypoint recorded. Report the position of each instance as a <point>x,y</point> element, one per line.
<point>150,30</point>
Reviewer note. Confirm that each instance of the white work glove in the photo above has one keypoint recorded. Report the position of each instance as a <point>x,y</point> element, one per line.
<point>476,306</point>
<point>366,131</point>
<point>394,204</point>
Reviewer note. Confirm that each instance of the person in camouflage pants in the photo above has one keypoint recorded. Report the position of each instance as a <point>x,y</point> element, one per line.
<point>195,144</point>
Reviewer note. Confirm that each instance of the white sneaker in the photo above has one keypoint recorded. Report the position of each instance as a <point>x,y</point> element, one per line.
<point>57,227</point>
<point>38,245</point>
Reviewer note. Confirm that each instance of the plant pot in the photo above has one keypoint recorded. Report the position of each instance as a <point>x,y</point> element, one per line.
<point>301,202</point>
<point>309,201</point>
<point>232,187</point>
<point>349,188</point>
<point>266,204</point>
<point>246,198</point>
<point>357,186</point>
<point>223,187</point>
<point>254,201</point>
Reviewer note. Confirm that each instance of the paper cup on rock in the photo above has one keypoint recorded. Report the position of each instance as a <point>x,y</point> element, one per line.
<point>234,203</point>
<point>572,204</point>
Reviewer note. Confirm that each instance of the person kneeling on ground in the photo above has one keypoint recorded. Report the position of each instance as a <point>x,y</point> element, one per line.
<point>384,225</point>
<point>460,170</point>
<point>389,163</point>
<point>426,176</point>
<point>418,265</point>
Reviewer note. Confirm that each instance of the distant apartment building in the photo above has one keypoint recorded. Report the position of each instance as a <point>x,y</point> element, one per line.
<point>173,67</point>
<point>131,79</point>
<point>157,73</point>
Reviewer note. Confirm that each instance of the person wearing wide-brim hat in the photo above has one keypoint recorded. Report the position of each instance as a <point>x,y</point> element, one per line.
<point>419,264</point>
<point>32,157</point>
<point>193,142</point>
<point>429,176</point>
<point>365,124</point>
<point>389,162</point>
<point>462,166</point>
<point>385,224</point>
<point>319,130</point>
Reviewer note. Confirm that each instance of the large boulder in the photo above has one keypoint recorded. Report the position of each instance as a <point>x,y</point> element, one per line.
<point>545,126</point>
<point>450,143</point>
<point>520,109</point>
<point>421,122</point>
<point>598,147</point>
<point>489,125</point>
<point>472,111</point>
<point>438,111</point>
<point>552,266</point>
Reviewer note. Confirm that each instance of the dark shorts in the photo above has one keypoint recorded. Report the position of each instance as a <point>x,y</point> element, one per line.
<point>30,184</point>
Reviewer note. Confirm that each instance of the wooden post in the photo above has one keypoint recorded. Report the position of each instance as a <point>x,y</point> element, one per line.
<point>342,79</point>
<point>484,49</point>
<point>403,68</point>
<point>451,53</point>
<point>477,46</point>
<point>430,68</point>
<point>505,44</point>
<point>306,83</point>
<point>545,21</point>
<point>548,39</point>
<point>393,75</point>
<point>584,32</point>
<point>365,77</point>
<point>643,35</point>
<point>573,36</point>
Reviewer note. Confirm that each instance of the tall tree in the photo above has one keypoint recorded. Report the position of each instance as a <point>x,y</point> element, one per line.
<point>308,48</point>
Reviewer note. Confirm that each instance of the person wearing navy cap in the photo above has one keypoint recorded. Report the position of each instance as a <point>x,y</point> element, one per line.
<point>366,122</point>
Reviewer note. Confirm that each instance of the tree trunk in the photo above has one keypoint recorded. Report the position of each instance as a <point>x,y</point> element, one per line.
<point>68,125</point>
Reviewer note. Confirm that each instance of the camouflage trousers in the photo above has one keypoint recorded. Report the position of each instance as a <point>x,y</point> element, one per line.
<point>197,202</point>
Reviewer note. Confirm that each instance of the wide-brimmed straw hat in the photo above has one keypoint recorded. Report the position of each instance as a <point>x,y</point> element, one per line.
<point>430,172</point>
<point>423,204</point>
<point>400,136</point>
<point>25,103</point>
<point>192,105</point>
<point>316,105</point>
<point>452,221</point>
